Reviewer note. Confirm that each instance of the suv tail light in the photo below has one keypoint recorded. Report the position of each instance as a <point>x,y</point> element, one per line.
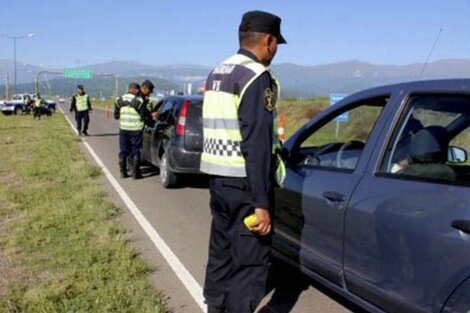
<point>181,125</point>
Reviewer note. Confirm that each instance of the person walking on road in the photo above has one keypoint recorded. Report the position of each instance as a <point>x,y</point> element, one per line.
<point>240,146</point>
<point>131,112</point>
<point>81,104</point>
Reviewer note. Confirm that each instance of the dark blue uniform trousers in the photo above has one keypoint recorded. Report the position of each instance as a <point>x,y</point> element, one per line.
<point>130,143</point>
<point>82,116</point>
<point>237,269</point>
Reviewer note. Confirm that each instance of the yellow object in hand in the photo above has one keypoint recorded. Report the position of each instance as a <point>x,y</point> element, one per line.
<point>250,220</point>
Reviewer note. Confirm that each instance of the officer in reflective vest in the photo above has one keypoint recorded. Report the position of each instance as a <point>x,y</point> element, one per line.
<point>240,145</point>
<point>146,89</point>
<point>132,114</point>
<point>37,111</point>
<point>81,104</point>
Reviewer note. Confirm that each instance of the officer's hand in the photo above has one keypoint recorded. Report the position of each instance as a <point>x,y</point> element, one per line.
<point>263,222</point>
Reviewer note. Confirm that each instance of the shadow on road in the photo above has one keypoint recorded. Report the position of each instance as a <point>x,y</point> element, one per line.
<point>194,181</point>
<point>105,135</point>
<point>289,283</point>
<point>148,170</point>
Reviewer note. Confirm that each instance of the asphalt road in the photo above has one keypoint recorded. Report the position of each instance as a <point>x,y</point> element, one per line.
<point>181,217</point>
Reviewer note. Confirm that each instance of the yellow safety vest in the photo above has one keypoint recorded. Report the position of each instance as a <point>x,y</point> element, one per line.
<point>130,119</point>
<point>81,102</point>
<point>226,87</point>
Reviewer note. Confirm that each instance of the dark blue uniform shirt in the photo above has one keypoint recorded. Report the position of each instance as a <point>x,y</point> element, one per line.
<point>256,125</point>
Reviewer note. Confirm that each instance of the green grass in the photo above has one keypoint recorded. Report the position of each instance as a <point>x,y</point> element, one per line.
<point>61,248</point>
<point>298,112</point>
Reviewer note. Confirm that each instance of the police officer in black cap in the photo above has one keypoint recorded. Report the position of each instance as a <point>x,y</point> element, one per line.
<point>132,113</point>
<point>146,89</point>
<point>81,104</point>
<point>239,115</point>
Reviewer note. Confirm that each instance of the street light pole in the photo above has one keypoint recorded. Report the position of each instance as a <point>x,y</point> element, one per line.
<point>14,62</point>
<point>15,38</point>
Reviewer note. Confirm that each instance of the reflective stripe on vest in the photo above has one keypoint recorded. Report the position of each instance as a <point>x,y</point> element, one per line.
<point>129,116</point>
<point>226,87</point>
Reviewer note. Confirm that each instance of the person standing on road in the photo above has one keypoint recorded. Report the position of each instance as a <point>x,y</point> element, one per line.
<point>146,89</point>
<point>240,146</point>
<point>37,111</point>
<point>81,104</point>
<point>131,112</point>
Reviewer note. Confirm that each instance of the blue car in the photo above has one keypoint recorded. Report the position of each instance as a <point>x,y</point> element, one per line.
<point>376,203</point>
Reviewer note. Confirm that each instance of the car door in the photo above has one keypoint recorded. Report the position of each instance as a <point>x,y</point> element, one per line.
<point>149,132</point>
<point>407,241</point>
<point>323,168</point>
<point>162,128</point>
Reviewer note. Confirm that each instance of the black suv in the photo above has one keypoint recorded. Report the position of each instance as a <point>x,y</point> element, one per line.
<point>174,144</point>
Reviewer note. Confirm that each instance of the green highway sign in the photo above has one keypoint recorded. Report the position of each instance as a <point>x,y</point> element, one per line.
<point>77,73</point>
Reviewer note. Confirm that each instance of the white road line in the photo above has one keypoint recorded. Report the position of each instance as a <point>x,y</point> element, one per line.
<point>176,265</point>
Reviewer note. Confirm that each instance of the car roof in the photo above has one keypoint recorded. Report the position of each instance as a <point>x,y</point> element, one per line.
<point>188,97</point>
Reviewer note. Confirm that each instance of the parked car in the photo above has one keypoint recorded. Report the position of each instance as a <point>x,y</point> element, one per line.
<point>21,104</point>
<point>17,105</point>
<point>174,144</point>
<point>51,106</point>
<point>378,208</point>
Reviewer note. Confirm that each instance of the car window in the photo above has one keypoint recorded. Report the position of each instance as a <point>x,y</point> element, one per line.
<point>339,142</point>
<point>165,110</point>
<point>431,140</point>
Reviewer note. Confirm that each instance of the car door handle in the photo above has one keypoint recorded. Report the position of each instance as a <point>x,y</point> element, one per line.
<point>334,196</point>
<point>462,225</point>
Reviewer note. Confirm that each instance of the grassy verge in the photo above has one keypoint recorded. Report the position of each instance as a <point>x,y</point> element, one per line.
<point>299,112</point>
<point>61,249</point>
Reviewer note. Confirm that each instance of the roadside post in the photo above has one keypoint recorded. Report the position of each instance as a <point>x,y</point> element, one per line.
<point>343,118</point>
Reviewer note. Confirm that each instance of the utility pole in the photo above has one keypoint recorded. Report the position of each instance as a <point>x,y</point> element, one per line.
<point>15,38</point>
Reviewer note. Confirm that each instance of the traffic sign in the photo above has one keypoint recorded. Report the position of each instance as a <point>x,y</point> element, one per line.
<point>77,73</point>
<point>334,98</point>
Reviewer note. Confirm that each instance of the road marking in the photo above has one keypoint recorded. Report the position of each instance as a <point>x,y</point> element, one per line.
<point>176,265</point>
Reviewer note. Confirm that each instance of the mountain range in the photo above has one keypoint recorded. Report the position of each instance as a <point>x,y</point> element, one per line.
<point>297,80</point>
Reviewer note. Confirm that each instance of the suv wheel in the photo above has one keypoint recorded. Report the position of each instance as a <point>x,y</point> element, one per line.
<point>18,110</point>
<point>167,177</point>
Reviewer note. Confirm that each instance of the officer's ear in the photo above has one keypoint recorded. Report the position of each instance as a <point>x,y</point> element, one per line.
<point>265,40</point>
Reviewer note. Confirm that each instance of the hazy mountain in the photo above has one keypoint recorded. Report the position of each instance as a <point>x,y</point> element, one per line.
<point>351,76</point>
<point>96,87</point>
<point>297,80</point>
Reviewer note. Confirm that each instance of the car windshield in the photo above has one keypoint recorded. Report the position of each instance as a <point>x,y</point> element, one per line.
<point>16,97</point>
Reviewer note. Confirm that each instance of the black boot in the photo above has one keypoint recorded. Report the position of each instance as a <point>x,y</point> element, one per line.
<point>123,167</point>
<point>136,168</point>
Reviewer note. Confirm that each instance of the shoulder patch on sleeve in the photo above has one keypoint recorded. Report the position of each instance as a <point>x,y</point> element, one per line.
<point>268,99</point>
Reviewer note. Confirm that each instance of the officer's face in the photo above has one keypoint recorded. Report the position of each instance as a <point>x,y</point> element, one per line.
<point>79,91</point>
<point>145,91</point>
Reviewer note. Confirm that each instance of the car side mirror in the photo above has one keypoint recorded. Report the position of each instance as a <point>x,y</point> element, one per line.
<point>457,155</point>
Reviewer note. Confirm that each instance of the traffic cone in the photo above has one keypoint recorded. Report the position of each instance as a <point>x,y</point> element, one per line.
<point>281,127</point>
<point>106,111</point>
